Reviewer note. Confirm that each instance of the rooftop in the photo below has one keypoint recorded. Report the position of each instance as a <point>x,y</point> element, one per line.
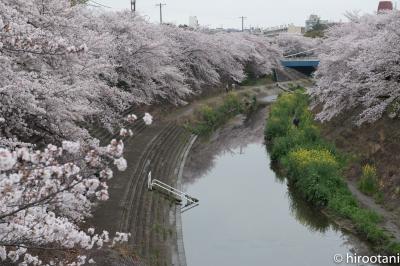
<point>385,5</point>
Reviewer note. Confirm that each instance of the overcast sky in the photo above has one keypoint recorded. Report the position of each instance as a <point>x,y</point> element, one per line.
<point>263,13</point>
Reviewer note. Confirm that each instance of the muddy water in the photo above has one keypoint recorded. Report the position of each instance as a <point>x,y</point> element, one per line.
<point>248,215</point>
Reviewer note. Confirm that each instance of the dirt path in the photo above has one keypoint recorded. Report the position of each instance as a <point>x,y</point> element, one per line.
<point>390,221</point>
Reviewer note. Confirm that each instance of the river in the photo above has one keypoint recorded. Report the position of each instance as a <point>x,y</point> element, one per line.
<point>248,215</point>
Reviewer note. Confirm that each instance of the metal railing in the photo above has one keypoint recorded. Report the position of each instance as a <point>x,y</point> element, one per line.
<point>300,53</point>
<point>180,196</point>
<point>300,59</point>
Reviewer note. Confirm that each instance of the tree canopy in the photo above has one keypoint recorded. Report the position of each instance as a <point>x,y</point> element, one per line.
<point>359,68</point>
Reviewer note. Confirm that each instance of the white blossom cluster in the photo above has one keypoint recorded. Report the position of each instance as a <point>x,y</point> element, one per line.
<point>44,195</point>
<point>297,45</point>
<point>359,68</point>
<point>148,119</point>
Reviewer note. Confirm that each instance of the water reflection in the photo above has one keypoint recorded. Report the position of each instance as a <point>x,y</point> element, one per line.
<point>304,213</point>
<point>248,215</point>
<point>237,135</point>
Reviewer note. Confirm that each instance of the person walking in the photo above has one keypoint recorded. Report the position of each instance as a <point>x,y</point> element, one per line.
<point>296,121</point>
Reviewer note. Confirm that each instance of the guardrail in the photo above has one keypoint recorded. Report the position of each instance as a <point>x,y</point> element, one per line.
<point>180,196</point>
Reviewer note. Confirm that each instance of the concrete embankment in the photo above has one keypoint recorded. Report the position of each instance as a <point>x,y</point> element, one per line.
<point>133,209</point>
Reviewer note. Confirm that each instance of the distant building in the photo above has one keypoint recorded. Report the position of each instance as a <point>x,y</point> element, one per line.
<point>193,22</point>
<point>291,29</point>
<point>274,31</point>
<point>314,20</point>
<point>385,6</point>
<point>221,29</point>
<point>254,30</point>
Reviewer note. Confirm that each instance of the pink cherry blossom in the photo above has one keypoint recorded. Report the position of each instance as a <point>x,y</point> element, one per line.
<point>359,68</point>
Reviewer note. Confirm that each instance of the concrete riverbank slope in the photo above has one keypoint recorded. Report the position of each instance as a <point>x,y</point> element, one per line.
<point>151,218</point>
<point>148,216</point>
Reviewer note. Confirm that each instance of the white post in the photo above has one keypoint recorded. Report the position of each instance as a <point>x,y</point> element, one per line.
<point>149,182</point>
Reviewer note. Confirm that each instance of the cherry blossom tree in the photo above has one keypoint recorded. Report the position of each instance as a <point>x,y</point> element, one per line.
<point>142,59</point>
<point>171,63</point>
<point>209,59</point>
<point>49,83</point>
<point>292,44</point>
<point>49,77</point>
<point>360,68</point>
<point>65,67</point>
<point>45,195</point>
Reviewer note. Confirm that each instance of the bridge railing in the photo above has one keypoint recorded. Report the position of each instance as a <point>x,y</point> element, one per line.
<point>301,59</point>
<point>301,53</point>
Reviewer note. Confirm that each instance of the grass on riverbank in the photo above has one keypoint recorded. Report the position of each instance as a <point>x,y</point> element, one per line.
<point>315,167</point>
<point>252,81</point>
<point>210,118</point>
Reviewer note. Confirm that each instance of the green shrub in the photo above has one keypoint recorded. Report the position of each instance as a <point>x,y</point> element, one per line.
<point>315,173</point>
<point>368,183</point>
<point>212,118</point>
<point>251,80</point>
<point>343,204</point>
<point>392,247</point>
<point>366,224</point>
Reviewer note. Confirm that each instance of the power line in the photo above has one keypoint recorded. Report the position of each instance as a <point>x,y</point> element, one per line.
<point>161,14</point>
<point>243,18</point>
<point>99,4</point>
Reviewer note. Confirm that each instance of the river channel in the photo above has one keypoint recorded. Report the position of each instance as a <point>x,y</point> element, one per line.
<point>248,214</point>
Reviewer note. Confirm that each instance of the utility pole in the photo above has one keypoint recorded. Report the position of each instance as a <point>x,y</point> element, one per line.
<point>243,18</point>
<point>133,5</point>
<point>42,7</point>
<point>161,6</point>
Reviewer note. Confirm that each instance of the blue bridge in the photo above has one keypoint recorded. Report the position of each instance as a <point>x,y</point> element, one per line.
<point>305,65</point>
<point>305,62</point>
<point>300,62</point>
